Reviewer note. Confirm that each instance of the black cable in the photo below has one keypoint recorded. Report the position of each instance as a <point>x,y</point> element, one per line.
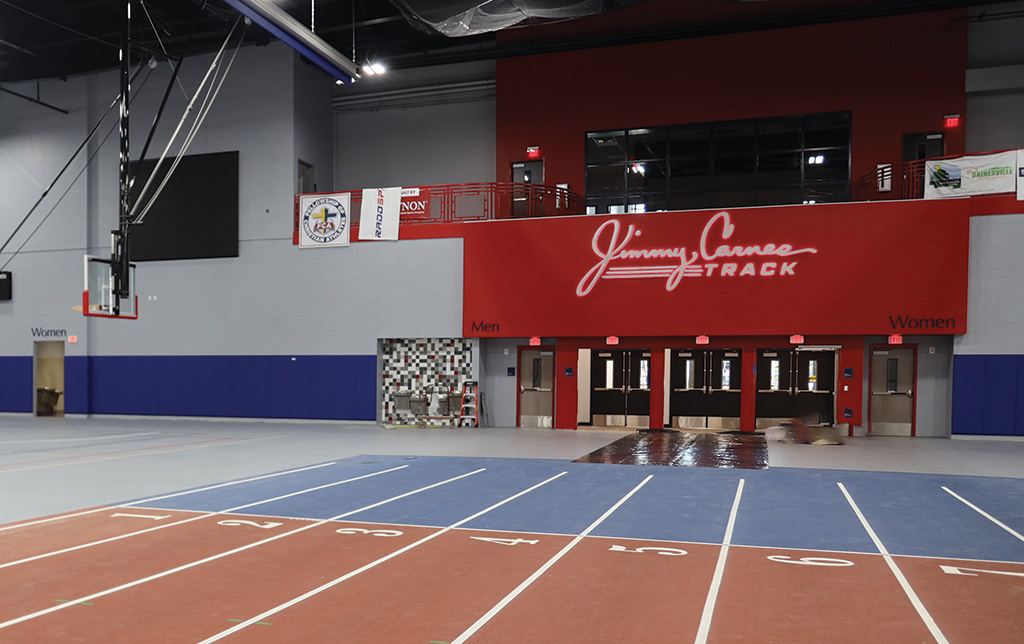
<point>68,164</point>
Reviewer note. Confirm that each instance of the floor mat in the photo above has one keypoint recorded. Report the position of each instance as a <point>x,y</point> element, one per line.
<point>729,450</point>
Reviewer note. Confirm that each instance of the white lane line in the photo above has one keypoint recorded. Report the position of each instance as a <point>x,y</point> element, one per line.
<point>926,617</point>
<point>551,562</point>
<point>160,498</point>
<point>76,440</point>
<point>166,573</point>
<point>277,609</point>
<point>204,515</point>
<point>984,514</point>
<point>716,580</point>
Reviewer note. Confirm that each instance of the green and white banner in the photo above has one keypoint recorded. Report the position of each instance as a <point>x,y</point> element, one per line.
<point>983,174</point>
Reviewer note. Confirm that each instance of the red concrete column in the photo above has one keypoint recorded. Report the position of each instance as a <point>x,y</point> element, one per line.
<point>566,357</point>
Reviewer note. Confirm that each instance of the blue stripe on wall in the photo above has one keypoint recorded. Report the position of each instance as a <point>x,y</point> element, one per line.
<point>988,395</point>
<point>16,384</point>
<point>328,387</point>
<point>243,386</point>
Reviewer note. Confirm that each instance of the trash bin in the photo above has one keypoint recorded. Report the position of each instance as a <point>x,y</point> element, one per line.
<point>46,400</point>
<point>402,401</point>
<point>418,404</point>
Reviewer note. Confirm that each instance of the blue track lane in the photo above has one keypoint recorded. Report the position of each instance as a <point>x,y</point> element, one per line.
<point>780,508</point>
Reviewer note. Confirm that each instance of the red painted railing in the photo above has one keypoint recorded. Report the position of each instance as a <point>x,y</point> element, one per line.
<point>904,181</point>
<point>476,201</point>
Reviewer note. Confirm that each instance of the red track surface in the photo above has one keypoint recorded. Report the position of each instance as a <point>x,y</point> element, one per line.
<point>611,590</point>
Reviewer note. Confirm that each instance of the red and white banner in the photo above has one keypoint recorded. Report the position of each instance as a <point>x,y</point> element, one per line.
<point>378,215</point>
<point>415,203</point>
<point>838,269</point>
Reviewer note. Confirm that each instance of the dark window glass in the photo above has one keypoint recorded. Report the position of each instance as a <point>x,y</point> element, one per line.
<point>778,169</point>
<point>826,165</point>
<point>779,160</point>
<point>690,141</point>
<point>647,175</point>
<point>734,139</point>
<point>733,198</point>
<point>689,201</point>
<point>606,178</point>
<point>648,202</point>
<point>779,196</point>
<point>827,130</point>
<point>648,143</point>
<point>778,135</point>
<point>606,147</point>
<point>734,173</point>
<point>891,369</point>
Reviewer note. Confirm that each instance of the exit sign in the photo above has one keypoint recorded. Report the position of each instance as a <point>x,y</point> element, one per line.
<point>895,338</point>
<point>703,339</point>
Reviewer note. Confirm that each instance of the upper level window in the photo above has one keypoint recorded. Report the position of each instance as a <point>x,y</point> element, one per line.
<point>783,160</point>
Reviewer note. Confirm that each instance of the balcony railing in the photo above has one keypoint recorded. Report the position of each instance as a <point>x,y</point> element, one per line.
<point>903,181</point>
<point>477,201</point>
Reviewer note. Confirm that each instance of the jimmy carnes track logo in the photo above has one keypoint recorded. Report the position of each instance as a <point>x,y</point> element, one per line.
<point>324,220</point>
<point>618,257</point>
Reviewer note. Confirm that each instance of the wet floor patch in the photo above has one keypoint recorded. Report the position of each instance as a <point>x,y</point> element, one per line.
<point>728,450</point>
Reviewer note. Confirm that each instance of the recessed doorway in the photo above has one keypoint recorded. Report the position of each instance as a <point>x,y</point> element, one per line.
<point>48,370</point>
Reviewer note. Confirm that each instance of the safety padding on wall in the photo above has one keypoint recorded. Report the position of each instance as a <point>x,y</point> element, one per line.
<point>16,384</point>
<point>988,395</point>
<point>326,387</point>
<point>414,364</point>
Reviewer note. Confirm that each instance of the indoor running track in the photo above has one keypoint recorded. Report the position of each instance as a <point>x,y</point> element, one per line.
<point>418,550</point>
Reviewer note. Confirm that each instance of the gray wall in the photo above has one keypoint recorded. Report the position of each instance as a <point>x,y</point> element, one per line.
<point>995,78</point>
<point>420,127</point>
<point>272,299</point>
<point>995,308</point>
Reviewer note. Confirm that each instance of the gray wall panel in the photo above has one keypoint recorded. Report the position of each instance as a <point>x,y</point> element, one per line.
<point>422,146</point>
<point>995,307</point>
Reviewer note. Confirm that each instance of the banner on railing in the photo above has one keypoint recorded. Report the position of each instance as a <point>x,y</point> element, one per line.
<point>982,174</point>
<point>415,203</point>
<point>378,216</point>
<point>323,220</point>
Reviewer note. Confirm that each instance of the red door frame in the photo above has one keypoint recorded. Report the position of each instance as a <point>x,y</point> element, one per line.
<point>871,369</point>
<point>554,376</point>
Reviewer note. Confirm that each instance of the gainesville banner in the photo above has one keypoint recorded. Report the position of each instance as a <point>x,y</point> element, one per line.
<point>827,269</point>
<point>379,214</point>
<point>323,220</point>
<point>972,175</point>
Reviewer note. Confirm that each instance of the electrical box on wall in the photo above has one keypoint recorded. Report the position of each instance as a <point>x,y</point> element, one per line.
<point>5,286</point>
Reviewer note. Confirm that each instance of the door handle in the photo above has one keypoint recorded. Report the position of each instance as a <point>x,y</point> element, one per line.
<point>910,393</point>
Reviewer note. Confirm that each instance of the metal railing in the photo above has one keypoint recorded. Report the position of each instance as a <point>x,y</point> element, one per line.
<point>902,181</point>
<point>476,201</point>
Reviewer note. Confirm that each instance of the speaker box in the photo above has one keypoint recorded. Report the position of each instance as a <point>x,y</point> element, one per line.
<point>5,286</point>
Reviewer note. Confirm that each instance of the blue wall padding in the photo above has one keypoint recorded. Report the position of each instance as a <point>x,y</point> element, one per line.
<point>16,384</point>
<point>986,391</point>
<point>329,387</point>
<point>76,384</point>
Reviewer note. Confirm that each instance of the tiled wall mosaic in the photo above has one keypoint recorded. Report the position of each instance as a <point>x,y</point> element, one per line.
<point>414,364</point>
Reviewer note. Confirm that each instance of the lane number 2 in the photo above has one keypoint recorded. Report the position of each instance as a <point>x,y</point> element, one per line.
<point>265,525</point>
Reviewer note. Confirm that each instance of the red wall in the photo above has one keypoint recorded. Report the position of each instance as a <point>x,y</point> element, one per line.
<point>896,75</point>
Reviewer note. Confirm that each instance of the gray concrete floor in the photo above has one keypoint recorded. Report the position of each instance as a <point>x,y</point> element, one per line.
<point>55,465</point>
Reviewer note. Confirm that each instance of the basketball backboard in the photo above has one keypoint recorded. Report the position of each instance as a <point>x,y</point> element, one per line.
<point>99,295</point>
